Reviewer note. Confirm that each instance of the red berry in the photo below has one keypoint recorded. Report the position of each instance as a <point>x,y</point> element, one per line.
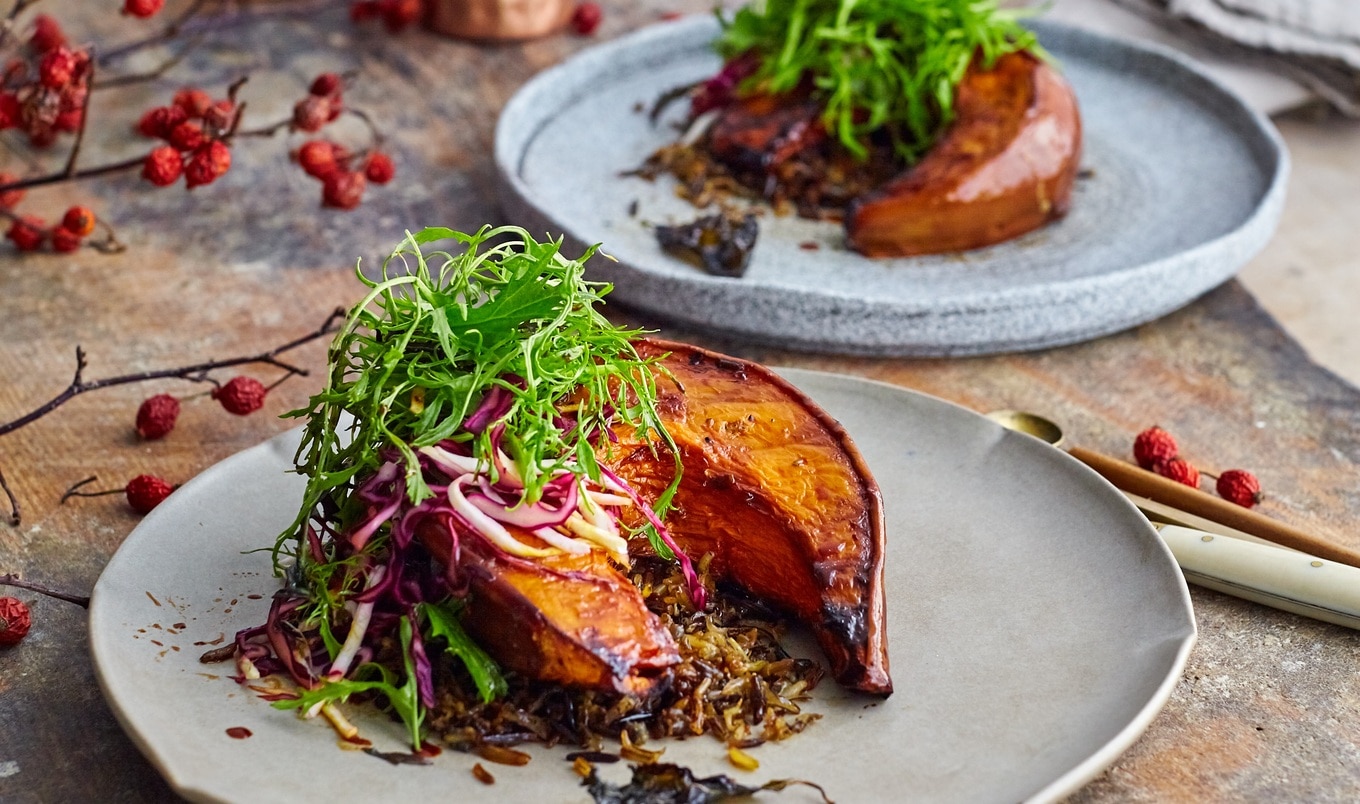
<point>15,621</point>
<point>312,113</point>
<point>241,395</point>
<point>143,8</point>
<point>11,111</point>
<point>58,68</point>
<point>64,240</point>
<point>187,136</point>
<point>1239,486</point>
<point>152,122</point>
<point>327,84</point>
<point>397,14</point>
<point>343,189</point>
<point>1153,446</point>
<point>379,168</point>
<point>220,115</point>
<point>163,166</point>
<point>79,220</point>
<point>28,233</point>
<point>208,162</point>
<point>160,121</point>
<point>586,18</point>
<point>320,158</point>
<point>1179,470</point>
<point>193,101</point>
<point>9,199</point>
<point>41,134</point>
<point>47,34</point>
<point>157,416</point>
<point>364,10</point>
<point>145,492</point>
<point>69,120</point>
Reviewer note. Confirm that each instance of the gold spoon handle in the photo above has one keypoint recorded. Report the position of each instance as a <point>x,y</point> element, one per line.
<point>1135,480</point>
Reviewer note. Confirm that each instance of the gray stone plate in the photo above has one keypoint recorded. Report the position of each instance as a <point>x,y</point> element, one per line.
<point>1036,625</point>
<point>1185,185</point>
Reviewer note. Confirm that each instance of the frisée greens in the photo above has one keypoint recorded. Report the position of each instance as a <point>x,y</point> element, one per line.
<point>887,66</point>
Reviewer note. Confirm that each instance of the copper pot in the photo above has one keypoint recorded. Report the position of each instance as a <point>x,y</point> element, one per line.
<point>498,20</point>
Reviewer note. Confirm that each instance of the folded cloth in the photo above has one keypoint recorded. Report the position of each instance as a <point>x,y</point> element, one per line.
<point>1314,42</point>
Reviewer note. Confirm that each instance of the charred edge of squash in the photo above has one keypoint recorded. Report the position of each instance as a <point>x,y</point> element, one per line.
<point>871,678</point>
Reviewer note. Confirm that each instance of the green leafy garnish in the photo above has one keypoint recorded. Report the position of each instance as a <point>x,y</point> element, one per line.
<point>878,65</point>
<point>486,674</point>
<point>402,696</point>
<point>436,334</point>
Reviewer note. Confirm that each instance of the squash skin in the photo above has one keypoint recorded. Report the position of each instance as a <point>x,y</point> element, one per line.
<point>776,492</point>
<point>1004,167</point>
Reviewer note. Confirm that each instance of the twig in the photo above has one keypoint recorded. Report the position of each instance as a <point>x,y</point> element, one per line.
<point>70,169</point>
<point>61,176</point>
<point>7,30</point>
<point>372,127</point>
<point>155,72</point>
<point>194,373</point>
<point>135,162</point>
<point>10,579</point>
<point>13,501</point>
<point>191,21</point>
<point>170,31</point>
<point>74,490</point>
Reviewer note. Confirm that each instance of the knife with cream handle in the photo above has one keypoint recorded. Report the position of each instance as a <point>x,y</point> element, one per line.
<point>1267,574</point>
<point>1167,515</point>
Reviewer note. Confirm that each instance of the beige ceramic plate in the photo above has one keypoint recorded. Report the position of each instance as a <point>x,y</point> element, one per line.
<point>1036,622</point>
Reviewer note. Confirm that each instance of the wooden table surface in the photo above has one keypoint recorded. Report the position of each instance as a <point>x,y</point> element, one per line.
<point>1268,708</point>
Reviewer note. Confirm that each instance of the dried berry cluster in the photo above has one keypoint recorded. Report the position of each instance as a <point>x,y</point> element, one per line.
<point>1157,450</point>
<point>343,175</point>
<point>196,129</point>
<point>43,91</point>
<point>30,232</point>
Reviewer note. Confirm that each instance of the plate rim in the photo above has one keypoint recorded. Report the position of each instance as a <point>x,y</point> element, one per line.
<point>101,615</point>
<point>521,121</point>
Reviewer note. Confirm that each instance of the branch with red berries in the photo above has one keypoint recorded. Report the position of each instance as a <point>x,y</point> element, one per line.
<point>241,395</point>
<point>1156,450</point>
<point>45,93</point>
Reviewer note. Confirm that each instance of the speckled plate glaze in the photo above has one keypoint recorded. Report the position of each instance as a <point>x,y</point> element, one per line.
<point>1036,626</point>
<point>1185,184</point>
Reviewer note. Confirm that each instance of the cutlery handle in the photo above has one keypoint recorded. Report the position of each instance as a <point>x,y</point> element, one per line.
<point>1283,579</point>
<point>1128,477</point>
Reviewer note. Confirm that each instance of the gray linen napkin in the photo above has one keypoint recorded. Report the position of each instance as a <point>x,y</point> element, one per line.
<point>1313,42</point>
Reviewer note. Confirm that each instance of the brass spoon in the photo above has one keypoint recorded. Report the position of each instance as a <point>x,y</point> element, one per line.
<point>1220,557</point>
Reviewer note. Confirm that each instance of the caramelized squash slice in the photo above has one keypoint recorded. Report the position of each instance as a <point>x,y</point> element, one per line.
<point>1004,167</point>
<point>575,620</point>
<point>773,488</point>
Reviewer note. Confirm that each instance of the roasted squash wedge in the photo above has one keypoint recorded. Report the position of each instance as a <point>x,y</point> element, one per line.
<point>774,490</point>
<point>575,620</point>
<point>1005,166</point>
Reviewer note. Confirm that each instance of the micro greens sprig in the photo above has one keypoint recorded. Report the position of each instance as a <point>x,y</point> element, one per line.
<point>890,65</point>
<point>435,334</point>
